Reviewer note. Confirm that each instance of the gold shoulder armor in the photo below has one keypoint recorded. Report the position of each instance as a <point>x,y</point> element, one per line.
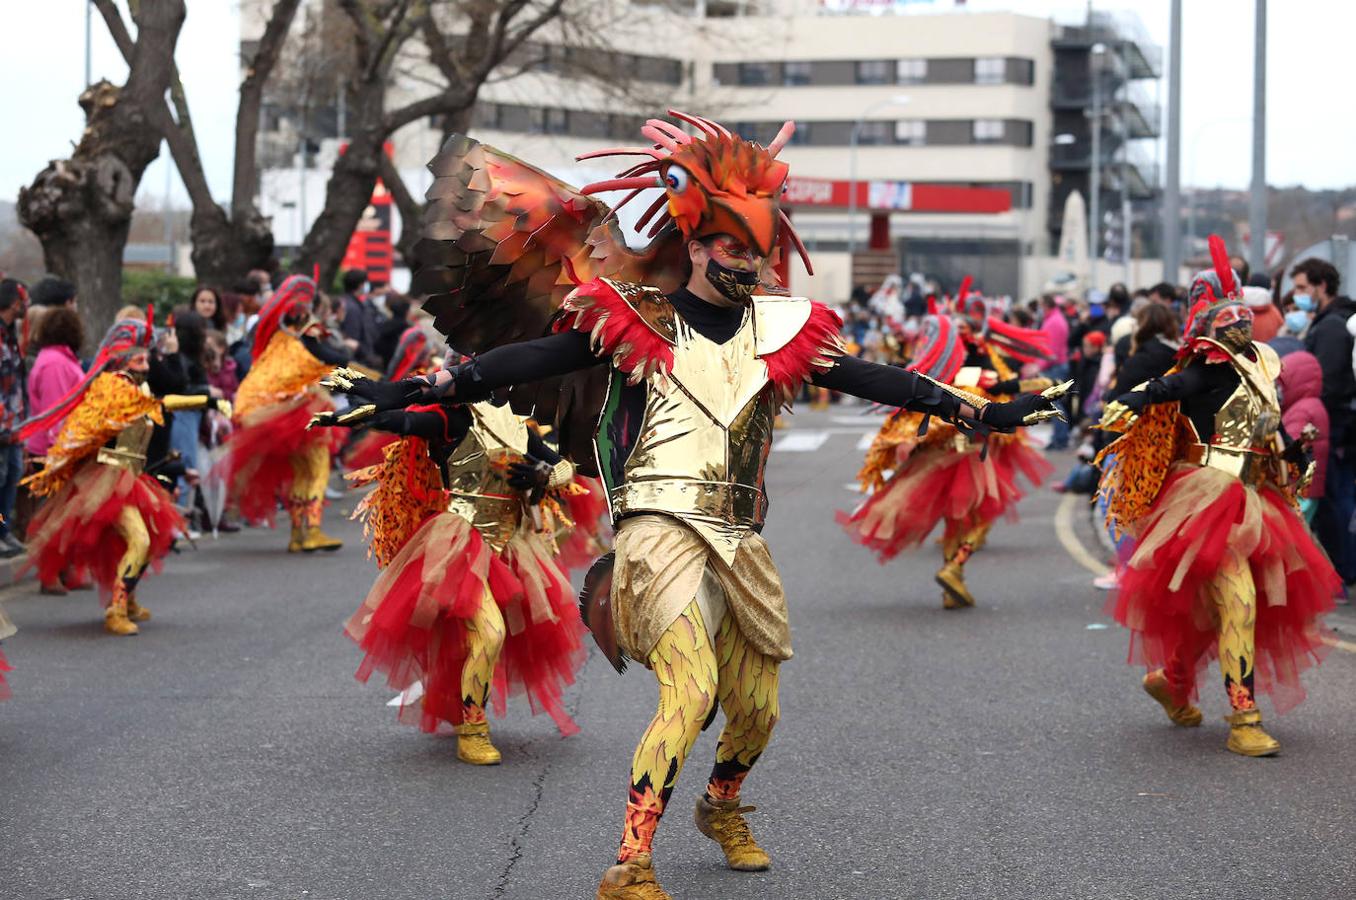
<point>650,304</point>
<point>776,320</point>
<point>1269,360</point>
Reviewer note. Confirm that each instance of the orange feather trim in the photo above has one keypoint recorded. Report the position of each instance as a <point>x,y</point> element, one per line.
<point>284,371</point>
<point>1142,457</point>
<point>409,490</point>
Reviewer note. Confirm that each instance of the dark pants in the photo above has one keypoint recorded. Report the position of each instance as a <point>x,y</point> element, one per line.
<point>1333,521</point>
<point>11,470</point>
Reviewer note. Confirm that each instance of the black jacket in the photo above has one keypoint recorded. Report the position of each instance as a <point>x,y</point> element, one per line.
<point>1327,339</point>
<point>1149,361</point>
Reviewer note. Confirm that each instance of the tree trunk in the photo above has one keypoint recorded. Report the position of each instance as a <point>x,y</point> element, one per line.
<point>81,208</point>
<point>225,249</point>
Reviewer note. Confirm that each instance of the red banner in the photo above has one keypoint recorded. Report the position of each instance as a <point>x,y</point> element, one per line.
<point>897,196</point>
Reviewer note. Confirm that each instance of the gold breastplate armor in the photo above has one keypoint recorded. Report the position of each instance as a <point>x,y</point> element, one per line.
<point>707,430</point>
<point>1246,439</point>
<point>476,473</point>
<point>129,447</point>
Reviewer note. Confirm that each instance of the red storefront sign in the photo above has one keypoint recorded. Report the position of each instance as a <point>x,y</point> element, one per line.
<point>897,196</point>
<point>371,247</point>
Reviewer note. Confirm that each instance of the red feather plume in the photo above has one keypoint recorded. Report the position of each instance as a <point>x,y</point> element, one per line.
<point>1220,257</point>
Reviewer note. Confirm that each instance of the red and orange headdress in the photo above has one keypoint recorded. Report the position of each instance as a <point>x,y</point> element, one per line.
<point>1212,292</point>
<point>126,338</point>
<point>713,183</point>
<point>412,350</point>
<point>289,309</point>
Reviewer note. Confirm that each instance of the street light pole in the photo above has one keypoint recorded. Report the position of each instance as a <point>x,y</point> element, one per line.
<point>897,100</point>
<point>1172,185</point>
<point>1257,202</point>
<point>1095,175</point>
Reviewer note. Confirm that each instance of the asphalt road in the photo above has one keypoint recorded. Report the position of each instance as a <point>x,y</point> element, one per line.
<point>1002,752</point>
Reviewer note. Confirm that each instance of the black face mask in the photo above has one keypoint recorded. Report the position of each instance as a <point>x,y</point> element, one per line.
<point>734,285</point>
<point>1237,336</point>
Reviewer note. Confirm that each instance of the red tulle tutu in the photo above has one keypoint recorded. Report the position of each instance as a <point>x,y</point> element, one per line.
<point>411,626</point>
<point>368,449</point>
<point>1200,515</point>
<point>75,527</point>
<point>939,483</point>
<point>258,460</point>
<point>587,540</point>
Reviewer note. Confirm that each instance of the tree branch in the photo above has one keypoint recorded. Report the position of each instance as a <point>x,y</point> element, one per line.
<point>363,37</point>
<point>411,210</point>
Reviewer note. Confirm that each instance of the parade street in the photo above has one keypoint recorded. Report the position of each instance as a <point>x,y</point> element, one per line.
<point>1005,751</point>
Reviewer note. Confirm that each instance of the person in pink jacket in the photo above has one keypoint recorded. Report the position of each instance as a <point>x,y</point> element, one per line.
<point>59,336</point>
<point>1301,385</point>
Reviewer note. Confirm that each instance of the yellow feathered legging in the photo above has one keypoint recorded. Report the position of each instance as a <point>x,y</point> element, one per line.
<point>693,675</point>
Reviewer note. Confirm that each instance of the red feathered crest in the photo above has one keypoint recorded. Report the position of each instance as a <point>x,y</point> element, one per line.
<point>713,183</point>
<point>291,301</point>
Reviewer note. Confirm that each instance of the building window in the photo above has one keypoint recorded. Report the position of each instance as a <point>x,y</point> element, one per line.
<point>486,115</point>
<point>795,73</point>
<point>911,132</point>
<point>755,73</point>
<point>875,71</point>
<point>911,71</point>
<point>991,70</point>
<point>988,131</point>
<point>555,121</point>
<point>874,133</point>
<point>801,135</point>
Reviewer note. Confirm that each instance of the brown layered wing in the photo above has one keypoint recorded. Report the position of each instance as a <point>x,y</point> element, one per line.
<point>502,243</point>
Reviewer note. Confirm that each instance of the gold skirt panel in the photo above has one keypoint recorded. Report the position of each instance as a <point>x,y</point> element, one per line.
<point>658,573</point>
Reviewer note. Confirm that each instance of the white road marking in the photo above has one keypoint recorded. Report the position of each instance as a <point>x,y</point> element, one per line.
<point>864,442</point>
<point>1073,546</point>
<point>800,441</point>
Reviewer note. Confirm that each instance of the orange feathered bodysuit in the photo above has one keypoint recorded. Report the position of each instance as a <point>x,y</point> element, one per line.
<point>109,519</point>
<point>271,456</point>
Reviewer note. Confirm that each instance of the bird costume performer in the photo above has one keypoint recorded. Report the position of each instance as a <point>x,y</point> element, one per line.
<point>678,359</point>
<point>271,456</point>
<point>105,513</point>
<point>470,598</point>
<point>941,473</point>
<point>1205,480</point>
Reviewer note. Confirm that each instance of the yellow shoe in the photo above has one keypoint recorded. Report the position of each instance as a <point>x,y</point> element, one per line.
<point>723,822</point>
<point>952,579</point>
<point>1246,737</point>
<point>631,880</point>
<point>474,747</point>
<point>116,621</point>
<point>314,539</point>
<point>136,612</point>
<point>1156,686</point>
<point>294,542</point>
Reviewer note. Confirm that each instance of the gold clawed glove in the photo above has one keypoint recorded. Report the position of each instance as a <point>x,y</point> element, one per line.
<point>1052,393</point>
<point>1116,416</point>
<point>332,419</point>
<point>341,379</point>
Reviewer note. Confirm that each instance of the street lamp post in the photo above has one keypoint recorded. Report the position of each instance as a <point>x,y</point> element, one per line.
<point>1095,175</point>
<point>897,100</point>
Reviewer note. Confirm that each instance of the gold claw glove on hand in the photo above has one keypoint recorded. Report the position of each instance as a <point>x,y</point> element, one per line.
<point>352,416</point>
<point>380,394</point>
<point>1028,409</point>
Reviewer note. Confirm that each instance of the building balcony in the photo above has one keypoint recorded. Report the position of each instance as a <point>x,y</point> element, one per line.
<point>1122,32</point>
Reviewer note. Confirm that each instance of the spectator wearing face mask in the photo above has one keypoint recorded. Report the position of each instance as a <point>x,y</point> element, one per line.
<point>1294,325</point>
<point>1328,340</point>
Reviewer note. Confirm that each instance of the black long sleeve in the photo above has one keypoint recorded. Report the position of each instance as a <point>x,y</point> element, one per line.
<point>523,363</point>
<point>539,449</point>
<point>889,385</point>
<point>324,352</point>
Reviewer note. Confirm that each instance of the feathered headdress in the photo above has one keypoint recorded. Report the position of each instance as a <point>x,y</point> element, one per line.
<point>713,183</point>
<point>1211,290</point>
<point>1022,344</point>
<point>125,338</point>
<point>412,348</point>
<point>939,351</point>
<point>290,304</point>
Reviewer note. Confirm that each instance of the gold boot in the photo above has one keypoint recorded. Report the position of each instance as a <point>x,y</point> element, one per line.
<point>631,880</point>
<point>115,617</point>
<point>474,747</point>
<point>314,539</point>
<point>136,612</point>
<point>723,822</point>
<point>952,579</point>
<point>1246,737</point>
<point>1156,686</point>
<point>294,542</point>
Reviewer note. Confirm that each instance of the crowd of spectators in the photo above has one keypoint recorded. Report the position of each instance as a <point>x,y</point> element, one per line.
<point>204,347</point>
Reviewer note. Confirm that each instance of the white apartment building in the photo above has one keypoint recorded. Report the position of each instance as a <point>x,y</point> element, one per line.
<point>954,113</point>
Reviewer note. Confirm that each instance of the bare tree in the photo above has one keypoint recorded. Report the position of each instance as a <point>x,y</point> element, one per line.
<point>81,208</point>
<point>226,243</point>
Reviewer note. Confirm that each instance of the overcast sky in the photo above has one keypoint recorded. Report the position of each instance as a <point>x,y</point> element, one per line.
<point>1311,132</point>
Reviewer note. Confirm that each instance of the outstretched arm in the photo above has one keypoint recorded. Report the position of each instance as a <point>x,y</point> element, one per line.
<point>894,386</point>
<point>1196,378</point>
<point>512,364</point>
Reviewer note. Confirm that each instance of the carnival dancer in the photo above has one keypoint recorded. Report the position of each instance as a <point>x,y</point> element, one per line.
<point>105,513</point>
<point>691,363</point>
<point>271,456</point>
<point>1206,480</point>
<point>918,476</point>
<point>470,598</point>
